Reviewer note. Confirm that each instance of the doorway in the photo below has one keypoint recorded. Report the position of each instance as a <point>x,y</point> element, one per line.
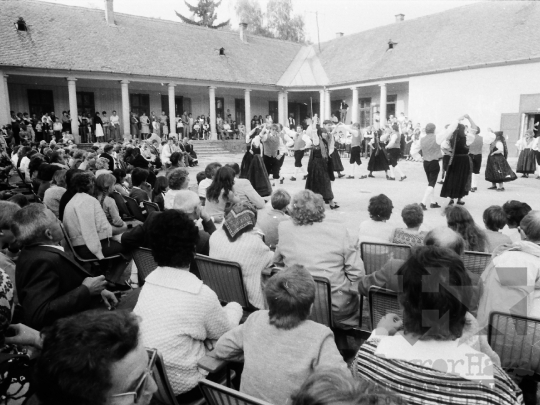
<point>533,122</point>
<point>240,110</point>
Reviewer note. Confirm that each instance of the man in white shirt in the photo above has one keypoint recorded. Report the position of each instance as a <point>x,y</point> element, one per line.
<point>167,151</point>
<point>115,126</point>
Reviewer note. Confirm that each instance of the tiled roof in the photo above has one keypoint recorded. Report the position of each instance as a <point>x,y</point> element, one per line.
<point>76,38</point>
<point>477,34</point>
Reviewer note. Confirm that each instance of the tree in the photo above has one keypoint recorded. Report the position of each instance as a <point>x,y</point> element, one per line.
<point>250,11</point>
<point>205,12</point>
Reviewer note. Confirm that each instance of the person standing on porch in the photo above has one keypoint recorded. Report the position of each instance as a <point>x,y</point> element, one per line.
<point>106,126</point>
<point>343,111</point>
<point>145,125</point>
<point>291,122</point>
<point>431,153</point>
<point>163,123</point>
<point>134,122</point>
<point>185,124</point>
<point>98,127</point>
<point>356,148</point>
<point>115,126</point>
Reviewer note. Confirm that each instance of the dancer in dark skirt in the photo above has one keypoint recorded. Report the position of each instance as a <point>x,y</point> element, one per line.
<point>335,160</point>
<point>527,160</point>
<point>248,156</point>
<point>319,166</point>
<point>457,183</point>
<point>256,173</point>
<point>378,160</point>
<point>498,171</point>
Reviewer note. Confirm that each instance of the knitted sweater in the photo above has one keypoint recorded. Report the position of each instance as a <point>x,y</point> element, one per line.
<point>278,361</point>
<point>86,223</point>
<point>251,253</point>
<point>178,313</point>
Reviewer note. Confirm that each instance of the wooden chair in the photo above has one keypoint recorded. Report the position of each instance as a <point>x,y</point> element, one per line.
<point>476,262</point>
<point>376,255</point>
<point>382,302</point>
<point>145,263</point>
<point>216,394</point>
<point>516,339</point>
<point>121,204</point>
<point>151,207</point>
<point>135,209</point>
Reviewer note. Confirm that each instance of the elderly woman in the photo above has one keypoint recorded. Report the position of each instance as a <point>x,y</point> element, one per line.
<point>495,219</point>
<point>412,216</point>
<point>461,221</point>
<point>220,193</point>
<point>189,311</point>
<point>376,229</point>
<point>281,344</point>
<point>178,180</point>
<point>237,241</point>
<point>325,249</point>
<point>102,166</point>
<point>86,223</point>
<point>431,351</point>
<point>53,194</point>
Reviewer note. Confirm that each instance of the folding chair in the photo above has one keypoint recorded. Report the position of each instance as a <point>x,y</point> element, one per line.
<point>121,204</point>
<point>134,209</point>
<point>476,262</point>
<point>151,207</point>
<point>216,394</point>
<point>381,303</point>
<point>145,263</point>
<point>376,255</point>
<point>516,339</point>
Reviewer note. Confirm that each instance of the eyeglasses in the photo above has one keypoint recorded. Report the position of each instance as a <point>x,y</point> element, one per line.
<point>141,385</point>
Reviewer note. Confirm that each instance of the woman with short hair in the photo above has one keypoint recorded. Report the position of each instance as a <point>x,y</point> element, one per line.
<point>376,229</point>
<point>413,217</point>
<point>461,221</point>
<point>54,193</point>
<point>280,346</point>
<point>495,220</point>
<point>102,166</point>
<point>178,179</point>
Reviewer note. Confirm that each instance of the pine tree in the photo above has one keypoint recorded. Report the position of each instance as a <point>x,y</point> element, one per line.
<point>205,12</point>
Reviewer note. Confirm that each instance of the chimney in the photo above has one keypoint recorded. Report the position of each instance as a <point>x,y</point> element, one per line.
<point>109,12</point>
<point>243,32</point>
<point>339,34</point>
<point>400,17</point>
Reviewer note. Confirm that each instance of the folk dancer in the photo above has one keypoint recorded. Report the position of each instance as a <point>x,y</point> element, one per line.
<point>431,152</point>
<point>301,142</point>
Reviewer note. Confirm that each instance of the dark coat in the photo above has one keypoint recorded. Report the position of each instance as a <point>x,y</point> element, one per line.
<point>110,159</point>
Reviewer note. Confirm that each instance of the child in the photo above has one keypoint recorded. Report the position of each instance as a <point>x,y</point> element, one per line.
<point>57,129</point>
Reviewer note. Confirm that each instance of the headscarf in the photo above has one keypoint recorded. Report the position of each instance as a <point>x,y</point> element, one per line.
<point>241,218</point>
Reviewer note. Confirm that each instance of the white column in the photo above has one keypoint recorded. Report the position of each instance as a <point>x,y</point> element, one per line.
<point>280,108</point>
<point>4,100</point>
<point>285,109</point>
<point>382,109</point>
<point>212,96</point>
<point>172,111</point>
<point>354,112</point>
<point>125,109</point>
<point>247,105</point>
<point>322,97</point>
<point>73,110</point>
<point>328,106</point>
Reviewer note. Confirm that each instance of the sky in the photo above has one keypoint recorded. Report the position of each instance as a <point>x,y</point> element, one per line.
<point>347,16</point>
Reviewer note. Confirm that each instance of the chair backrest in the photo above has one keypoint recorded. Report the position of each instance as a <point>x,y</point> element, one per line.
<point>165,393</point>
<point>216,394</point>
<point>516,340</point>
<point>121,204</point>
<point>476,262</point>
<point>151,207</point>
<point>70,247</point>
<point>134,209</point>
<point>382,302</point>
<point>376,255</point>
<point>145,263</point>
<point>225,278</point>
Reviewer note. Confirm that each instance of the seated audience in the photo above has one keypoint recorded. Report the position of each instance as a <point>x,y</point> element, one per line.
<point>86,223</point>
<point>50,284</point>
<point>268,219</point>
<point>495,220</point>
<point>210,172</point>
<point>77,159</point>
<point>220,194</point>
<point>515,212</point>
<point>53,194</point>
<point>120,185</point>
<point>19,199</point>
<point>237,241</point>
<point>9,248</point>
<point>178,180</point>
<point>158,193</point>
<point>138,179</point>
<point>281,347</point>
<point>45,175</point>
<point>57,159</point>
<point>107,154</point>
<point>431,344</point>
<point>102,166</point>
<point>245,190</point>
<point>103,188</point>
<point>70,192</point>
<point>106,363</point>
<point>376,229</point>
<point>325,249</point>
<point>461,221</point>
<point>189,311</point>
<point>413,216</point>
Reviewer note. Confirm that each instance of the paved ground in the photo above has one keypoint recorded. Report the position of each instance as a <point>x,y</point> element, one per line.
<point>353,195</point>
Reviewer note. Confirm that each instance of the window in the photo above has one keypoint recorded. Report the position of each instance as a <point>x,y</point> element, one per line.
<point>85,102</point>
<point>40,102</point>
<point>364,112</point>
<point>179,106</point>
<point>273,110</point>
<point>391,105</point>
<point>240,111</point>
<point>140,103</point>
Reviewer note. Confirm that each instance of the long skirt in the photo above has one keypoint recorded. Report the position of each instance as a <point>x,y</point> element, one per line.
<point>526,162</point>
<point>318,179</point>
<point>246,163</point>
<point>258,176</point>
<point>378,161</point>
<point>457,182</point>
<point>336,160</point>
<point>498,170</point>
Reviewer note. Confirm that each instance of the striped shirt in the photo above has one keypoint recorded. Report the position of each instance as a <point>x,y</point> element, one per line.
<point>419,385</point>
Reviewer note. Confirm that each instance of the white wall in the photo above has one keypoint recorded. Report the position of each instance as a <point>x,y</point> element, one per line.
<point>484,94</point>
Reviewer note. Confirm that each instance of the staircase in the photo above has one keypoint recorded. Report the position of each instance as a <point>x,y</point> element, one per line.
<point>211,148</point>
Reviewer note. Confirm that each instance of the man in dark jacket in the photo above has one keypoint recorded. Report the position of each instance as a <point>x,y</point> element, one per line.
<point>107,155</point>
<point>50,284</point>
